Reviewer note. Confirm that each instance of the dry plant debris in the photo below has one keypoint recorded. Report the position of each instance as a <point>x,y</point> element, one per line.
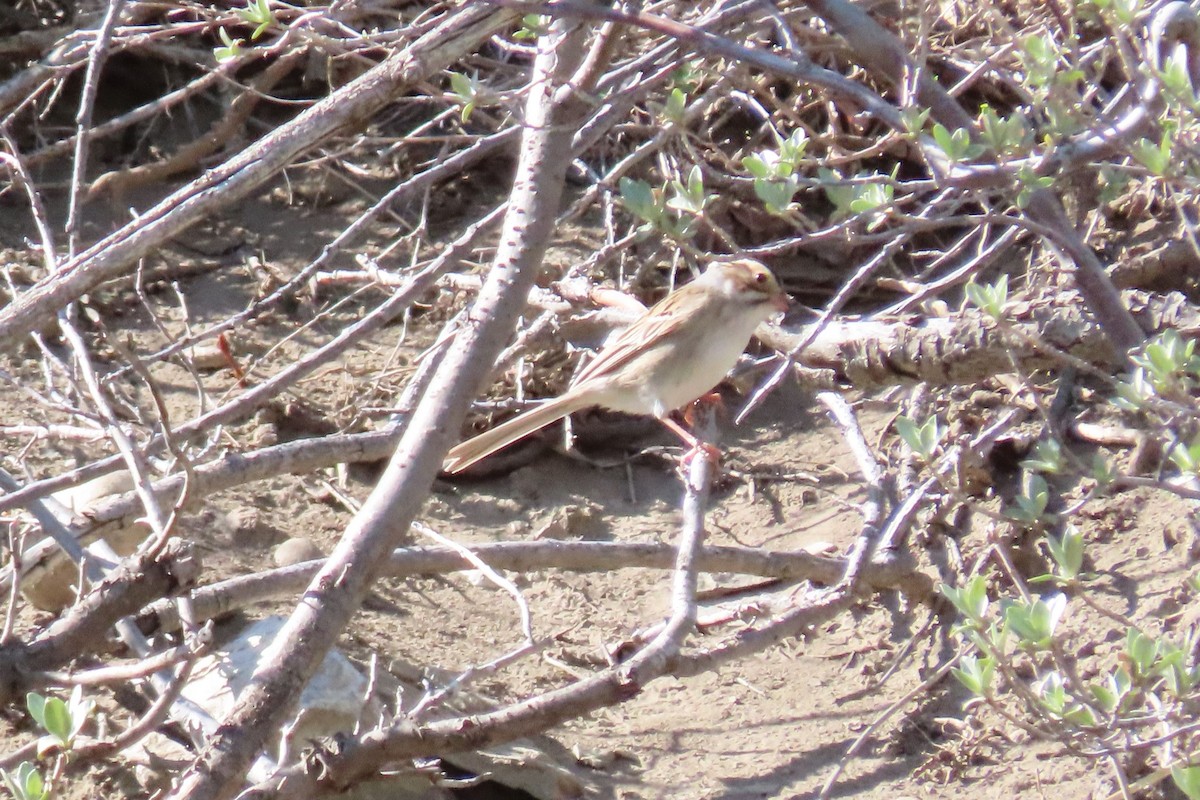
<point>265,262</point>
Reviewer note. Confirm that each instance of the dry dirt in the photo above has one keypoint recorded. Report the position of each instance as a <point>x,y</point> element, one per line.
<point>771,726</point>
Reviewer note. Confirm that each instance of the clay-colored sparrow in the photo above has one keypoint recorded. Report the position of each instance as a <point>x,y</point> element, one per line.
<point>674,353</point>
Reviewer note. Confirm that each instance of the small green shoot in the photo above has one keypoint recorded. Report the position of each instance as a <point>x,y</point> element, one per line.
<point>1187,457</point>
<point>1047,458</point>
<point>1032,502</point>
<point>1034,623</point>
<point>257,12</point>
<point>775,172</point>
<point>532,26</point>
<point>467,91</point>
<point>990,299</point>
<point>690,198</point>
<point>231,49</point>
<point>1030,183</point>
<point>25,782</point>
<point>971,600</point>
<point>1005,135</point>
<point>922,438</point>
<point>956,145</point>
<point>62,720</point>
<point>914,119</point>
<point>1155,157</point>
<point>1067,552</point>
<point>977,674</point>
<point>1110,696</point>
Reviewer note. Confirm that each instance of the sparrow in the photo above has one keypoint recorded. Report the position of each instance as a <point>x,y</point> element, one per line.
<point>676,352</point>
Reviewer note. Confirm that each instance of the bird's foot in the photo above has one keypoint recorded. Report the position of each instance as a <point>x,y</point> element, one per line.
<point>710,450</point>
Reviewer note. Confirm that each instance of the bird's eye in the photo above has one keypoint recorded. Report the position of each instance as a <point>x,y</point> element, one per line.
<point>760,277</point>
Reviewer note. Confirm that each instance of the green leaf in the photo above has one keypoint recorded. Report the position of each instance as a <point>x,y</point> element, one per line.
<point>1173,667</point>
<point>957,145</point>
<point>1033,501</point>
<point>1053,695</point>
<point>259,13</point>
<point>57,721</point>
<point>841,196</point>
<point>922,438</point>
<point>231,50</point>
<point>1067,552</point>
<point>942,137</point>
<point>690,198</point>
<point>1141,652</point>
<point>1047,457</point>
<point>25,782</point>
<point>1188,781</point>
<point>532,26</point>
<point>36,704</point>
<point>1156,157</point>
<point>756,166</point>
<point>871,197</point>
<point>80,710</point>
<point>776,195</point>
<point>1187,456</point>
<point>638,197</point>
<point>976,674</point>
<point>1030,183</point>
<point>1035,623</point>
<point>990,299</point>
<point>971,600</point>
<point>914,119</point>
<point>791,151</point>
<point>676,106</point>
<point>461,85</point>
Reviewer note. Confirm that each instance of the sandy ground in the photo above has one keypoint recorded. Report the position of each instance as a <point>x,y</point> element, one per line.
<point>772,726</point>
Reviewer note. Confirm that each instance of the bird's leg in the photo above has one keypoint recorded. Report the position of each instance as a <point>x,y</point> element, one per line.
<point>695,444</point>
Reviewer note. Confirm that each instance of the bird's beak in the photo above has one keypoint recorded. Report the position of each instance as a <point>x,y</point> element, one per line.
<point>782,302</point>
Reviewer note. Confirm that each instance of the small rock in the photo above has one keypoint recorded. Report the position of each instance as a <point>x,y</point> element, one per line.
<point>208,356</point>
<point>247,527</point>
<point>508,505</point>
<point>573,522</point>
<point>295,551</point>
<point>332,701</point>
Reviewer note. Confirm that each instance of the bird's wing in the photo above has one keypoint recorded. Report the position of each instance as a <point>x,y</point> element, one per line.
<point>662,321</point>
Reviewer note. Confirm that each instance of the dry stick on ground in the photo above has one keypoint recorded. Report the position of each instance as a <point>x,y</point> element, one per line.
<point>866,355</point>
<point>874,508</point>
<point>405,740</point>
<point>127,631</point>
<point>225,596</point>
<point>616,105</point>
<point>246,402</point>
<point>229,465</point>
<point>418,284</point>
<point>362,758</point>
<point>184,656</point>
<point>337,591</point>
<point>461,32</point>
<point>445,44</point>
<point>130,587</point>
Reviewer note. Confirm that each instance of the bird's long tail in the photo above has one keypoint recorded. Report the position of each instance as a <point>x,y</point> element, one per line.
<point>479,447</point>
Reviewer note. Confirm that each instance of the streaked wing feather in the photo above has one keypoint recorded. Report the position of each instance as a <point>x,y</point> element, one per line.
<point>657,324</point>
